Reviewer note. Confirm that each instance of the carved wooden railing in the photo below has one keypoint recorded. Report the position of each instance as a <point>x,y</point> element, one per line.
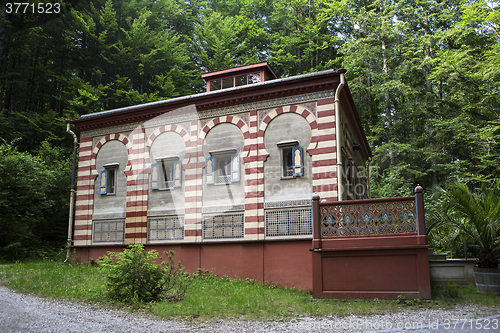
<point>370,248</point>
<point>371,217</point>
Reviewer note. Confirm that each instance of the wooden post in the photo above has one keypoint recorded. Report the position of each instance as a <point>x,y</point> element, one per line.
<point>419,202</point>
<point>316,223</point>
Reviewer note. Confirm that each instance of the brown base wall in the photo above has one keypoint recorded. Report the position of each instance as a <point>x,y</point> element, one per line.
<point>283,263</point>
<point>368,270</point>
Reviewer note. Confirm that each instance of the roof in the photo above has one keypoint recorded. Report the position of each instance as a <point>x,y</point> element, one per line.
<point>273,89</point>
<point>241,69</point>
<point>190,98</point>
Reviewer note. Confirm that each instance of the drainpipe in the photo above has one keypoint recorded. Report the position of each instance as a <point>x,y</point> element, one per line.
<point>72,194</point>
<point>340,185</point>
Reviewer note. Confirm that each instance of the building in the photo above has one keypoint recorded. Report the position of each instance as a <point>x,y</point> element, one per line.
<point>224,178</point>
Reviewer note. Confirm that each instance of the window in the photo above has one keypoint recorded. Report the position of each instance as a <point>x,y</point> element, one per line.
<point>222,168</point>
<point>253,78</point>
<point>107,179</point>
<point>166,228</point>
<point>109,231</point>
<point>215,85</point>
<point>289,222</point>
<point>292,161</point>
<point>287,162</point>
<point>236,81</point>
<point>227,83</point>
<point>166,173</point>
<point>224,226</point>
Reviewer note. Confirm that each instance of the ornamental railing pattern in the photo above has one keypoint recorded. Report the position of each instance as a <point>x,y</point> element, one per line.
<point>371,217</point>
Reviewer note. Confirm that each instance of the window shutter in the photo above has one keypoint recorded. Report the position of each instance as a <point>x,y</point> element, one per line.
<point>155,172</point>
<point>209,170</point>
<point>235,168</point>
<point>103,181</point>
<point>177,173</point>
<point>298,161</point>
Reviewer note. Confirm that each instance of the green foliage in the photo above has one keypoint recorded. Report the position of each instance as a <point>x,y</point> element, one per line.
<point>452,294</point>
<point>304,35</point>
<point>133,277</point>
<point>450,291</point>
<point>212,297</point>
<point>473,215</point>
<point>423,74</point>
<point>50,278</point>
<point>33,201</point>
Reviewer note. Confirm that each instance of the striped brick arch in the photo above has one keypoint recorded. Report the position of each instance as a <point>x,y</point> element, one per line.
<point>308,115</point>
<point>170,128</point>
<point>120,137</point>
<point>227,119</point>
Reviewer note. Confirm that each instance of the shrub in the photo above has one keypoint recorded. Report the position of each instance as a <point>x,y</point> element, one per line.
<point>34,192</point>
<point>475,216</point>
<point>133,277</point>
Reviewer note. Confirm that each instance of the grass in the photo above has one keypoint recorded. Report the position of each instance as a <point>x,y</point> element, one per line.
<point>212,297</point>
<point>54,279</point>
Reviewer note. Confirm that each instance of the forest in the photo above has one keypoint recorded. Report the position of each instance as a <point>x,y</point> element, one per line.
<point>425,76</point>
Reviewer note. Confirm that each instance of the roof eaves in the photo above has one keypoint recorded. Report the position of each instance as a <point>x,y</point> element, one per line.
<point>207,94</point>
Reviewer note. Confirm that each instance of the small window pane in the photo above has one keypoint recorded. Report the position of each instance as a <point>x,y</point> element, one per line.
<point>227,83</point>
<point>209,170</point>
<point>253,78</point>
<point>111,181</point>
<point>287,162</point>
<point>103,181</point>
<point>170,174</point>
<point>215,85</point>
<point>223,167</point>
<point>241,80</point>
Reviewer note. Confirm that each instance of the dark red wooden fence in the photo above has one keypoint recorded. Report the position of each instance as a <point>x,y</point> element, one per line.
<point>370,248</point>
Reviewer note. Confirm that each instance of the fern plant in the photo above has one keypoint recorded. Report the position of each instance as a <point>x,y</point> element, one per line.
<point>475,216</point>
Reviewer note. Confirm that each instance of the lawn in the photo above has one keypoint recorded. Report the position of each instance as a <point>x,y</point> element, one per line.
<point>219,297</point>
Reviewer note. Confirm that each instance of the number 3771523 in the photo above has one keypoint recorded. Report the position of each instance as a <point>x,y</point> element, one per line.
<point>32,8</point>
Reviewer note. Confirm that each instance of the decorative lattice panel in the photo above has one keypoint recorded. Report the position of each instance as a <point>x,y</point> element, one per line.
<point>289,222</point>
<point>368,219</point>
<point>223,179</point>
<point>109,231</point>
<point>165,228</point>
<point>223,226</point>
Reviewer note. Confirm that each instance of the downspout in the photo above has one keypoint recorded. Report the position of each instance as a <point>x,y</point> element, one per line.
<point>72,194</point>
<point>340,185</point>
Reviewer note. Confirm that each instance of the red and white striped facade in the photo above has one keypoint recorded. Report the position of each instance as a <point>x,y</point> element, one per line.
<point>251,109</point>
<point>322,148</point>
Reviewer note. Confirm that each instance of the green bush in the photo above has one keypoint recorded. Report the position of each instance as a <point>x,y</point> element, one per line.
<point>34,193</point>
<point>133,277</point>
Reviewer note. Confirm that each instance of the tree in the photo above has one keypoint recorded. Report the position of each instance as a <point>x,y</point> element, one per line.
<point>33,201</point>
<point>304,35</point>
<point>231,33</point>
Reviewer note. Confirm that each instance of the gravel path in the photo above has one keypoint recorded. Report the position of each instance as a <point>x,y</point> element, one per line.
<point>28,313</point>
